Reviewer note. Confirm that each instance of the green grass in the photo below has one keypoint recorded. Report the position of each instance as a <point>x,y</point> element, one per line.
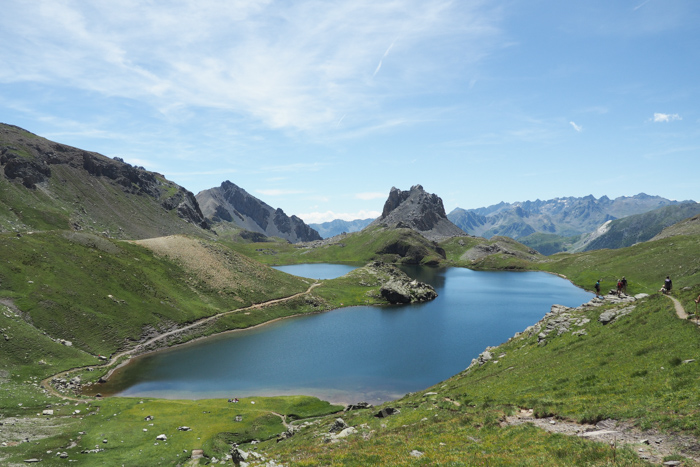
<point>389,245</point>
<point>131,439</point>
<point>63,283</point>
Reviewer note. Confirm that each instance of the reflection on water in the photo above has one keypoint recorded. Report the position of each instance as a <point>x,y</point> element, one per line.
<point>360,353</point>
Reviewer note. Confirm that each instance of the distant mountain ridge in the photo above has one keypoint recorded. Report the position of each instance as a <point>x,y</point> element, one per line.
<point>230,203</point>
<point>48,186</point>
<point>561,216</point>
<point>339,226</point>
<point>637,228</point>
<point>418,210</point>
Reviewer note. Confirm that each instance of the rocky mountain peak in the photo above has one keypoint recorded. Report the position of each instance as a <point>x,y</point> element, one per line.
<point>231,203</point>
<point>418,210</point>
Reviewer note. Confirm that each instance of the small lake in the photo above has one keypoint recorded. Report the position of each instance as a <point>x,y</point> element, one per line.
<point>316,271</point>
<point>362,353</point>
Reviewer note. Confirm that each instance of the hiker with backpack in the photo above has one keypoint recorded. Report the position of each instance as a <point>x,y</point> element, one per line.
<point>597,288</point>
<point>668,285</point>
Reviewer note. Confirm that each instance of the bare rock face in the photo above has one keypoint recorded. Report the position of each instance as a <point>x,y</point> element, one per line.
<point>230,203</point>
<point>418,210</point>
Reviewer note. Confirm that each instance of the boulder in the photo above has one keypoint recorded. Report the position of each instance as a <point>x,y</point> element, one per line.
<point>386,412</point>
<point>338,426</point>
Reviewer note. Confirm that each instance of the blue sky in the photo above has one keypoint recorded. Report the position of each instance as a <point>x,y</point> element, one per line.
<point>320,107</point>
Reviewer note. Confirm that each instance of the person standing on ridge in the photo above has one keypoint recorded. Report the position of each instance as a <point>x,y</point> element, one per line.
<point>624,285</point>
<point>597,288</point>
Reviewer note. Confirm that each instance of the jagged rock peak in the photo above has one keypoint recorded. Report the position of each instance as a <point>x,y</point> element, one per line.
<point>418,210</point>
<point>230,203</point>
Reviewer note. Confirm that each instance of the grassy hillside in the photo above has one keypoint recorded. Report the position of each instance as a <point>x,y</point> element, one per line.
<point>50,186</point>
<point>389,245</point>
<point>102,294</point>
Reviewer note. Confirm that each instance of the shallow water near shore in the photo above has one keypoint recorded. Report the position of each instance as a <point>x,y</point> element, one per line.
<point>371,354</point>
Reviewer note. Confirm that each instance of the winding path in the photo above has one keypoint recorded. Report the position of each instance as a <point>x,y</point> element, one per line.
<point>46,382</point>
<point>680,311</point>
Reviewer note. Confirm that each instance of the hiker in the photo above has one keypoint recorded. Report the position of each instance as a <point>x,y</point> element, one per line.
<point>597,288</point>
<point>624,285</point>
<point>697,300</point>
<point>668,285</point>
<point>619,287</point>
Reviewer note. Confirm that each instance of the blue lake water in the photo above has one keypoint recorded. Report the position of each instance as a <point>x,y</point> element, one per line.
<point>316,271</point>
<point>371,354</point>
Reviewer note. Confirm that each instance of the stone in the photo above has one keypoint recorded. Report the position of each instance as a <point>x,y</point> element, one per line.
<point>358,406</point>
<point>386,412</point>
<point>416,453</point>
<point>338,426</point>
<point>162,437</point>
<point>197,454</point>
<point>237,455</point>
<point>184,428</point>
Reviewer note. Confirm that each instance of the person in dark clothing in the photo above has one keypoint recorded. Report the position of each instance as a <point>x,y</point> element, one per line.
<point>668,285</point>
<point>597,288</point>
<point>624,285</point>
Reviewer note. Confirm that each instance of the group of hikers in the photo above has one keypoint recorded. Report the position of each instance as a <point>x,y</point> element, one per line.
<point>621,287</point>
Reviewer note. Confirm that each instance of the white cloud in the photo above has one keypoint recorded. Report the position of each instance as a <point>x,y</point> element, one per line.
<point>296,65</point>
<point>320,217</point>
<point>578,128</point>
<point>370,195</point>
<point>659,117</point>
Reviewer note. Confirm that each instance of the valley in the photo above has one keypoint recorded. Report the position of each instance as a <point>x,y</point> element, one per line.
<point>102,260</point>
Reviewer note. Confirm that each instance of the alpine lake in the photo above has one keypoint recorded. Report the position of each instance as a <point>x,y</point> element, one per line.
<point>354,354</point>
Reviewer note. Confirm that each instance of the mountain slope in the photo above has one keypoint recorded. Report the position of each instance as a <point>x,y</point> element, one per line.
<point>47,185</point>
<point>638,228</point>
<point>232,204</point>
<point>418,210</point>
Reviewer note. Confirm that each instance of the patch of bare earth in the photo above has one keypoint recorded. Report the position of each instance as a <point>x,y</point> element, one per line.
<point>650,445</point>
<point>217,267</point>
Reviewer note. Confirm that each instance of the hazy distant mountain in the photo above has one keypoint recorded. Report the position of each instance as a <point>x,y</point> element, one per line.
<point>637,228</point>
<point>564,217</point>
<point>418,210</point>
<point>230,203</point>
<point>338,226</point>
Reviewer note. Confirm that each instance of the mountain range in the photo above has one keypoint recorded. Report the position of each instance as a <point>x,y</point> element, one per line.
<point>562,216</point>
<point>339,226</point>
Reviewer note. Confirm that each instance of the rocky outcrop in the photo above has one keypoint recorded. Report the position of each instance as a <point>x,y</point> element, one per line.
<point>230,203</point>
<point>397,287</point>
<point>418,210</point>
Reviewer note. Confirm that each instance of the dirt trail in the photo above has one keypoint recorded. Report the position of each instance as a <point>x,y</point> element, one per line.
<point>46,383</point>
<point>649,445</point>
<point>680,311</point>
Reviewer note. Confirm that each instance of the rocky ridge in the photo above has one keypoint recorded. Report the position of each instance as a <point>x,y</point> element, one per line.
<point>230,203</point>
<point>418,210</point>
<point>81,190</point>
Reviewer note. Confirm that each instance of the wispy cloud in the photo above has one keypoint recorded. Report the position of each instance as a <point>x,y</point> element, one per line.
<point>288,65</point>
<point>379,66</point>
<point>370,195</point>
<point>641,5</point>
<point>576,127</point>
<point>320,217</point>
<point>659,117</point>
